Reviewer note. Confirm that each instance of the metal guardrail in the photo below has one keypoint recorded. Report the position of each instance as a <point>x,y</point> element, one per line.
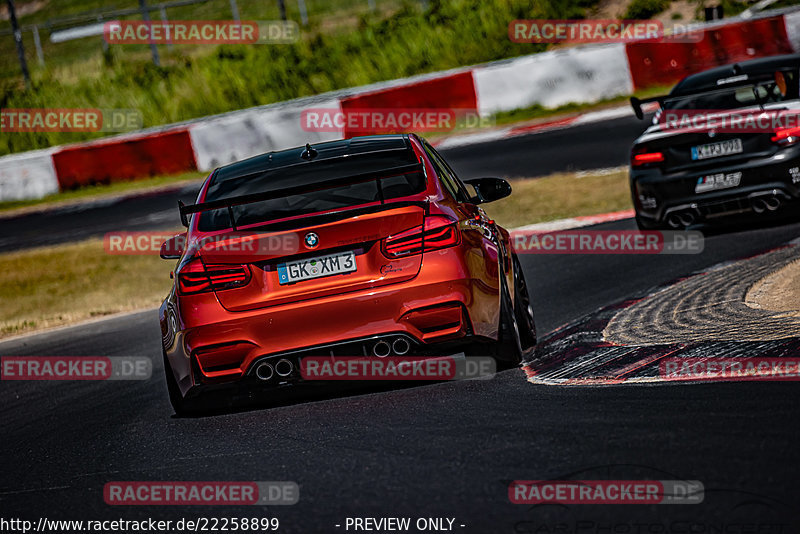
<point>99,15</point>
<point>82,23</point>
<point>60,27</point>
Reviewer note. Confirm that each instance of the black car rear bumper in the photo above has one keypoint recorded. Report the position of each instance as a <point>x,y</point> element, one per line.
<point>669,200</point>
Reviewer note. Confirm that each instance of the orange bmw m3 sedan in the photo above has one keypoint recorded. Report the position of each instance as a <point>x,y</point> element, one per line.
<point>369,246</point>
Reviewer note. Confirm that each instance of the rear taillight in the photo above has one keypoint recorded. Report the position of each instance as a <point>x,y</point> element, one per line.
<point>644,158</point>
<point>194,277</point>
<point>439,232</point>
<point>788,136</point>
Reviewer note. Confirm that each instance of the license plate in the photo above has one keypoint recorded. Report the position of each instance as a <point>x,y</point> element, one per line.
<point>721,180</point>
<point>715,150</point>
<point>310,268</point>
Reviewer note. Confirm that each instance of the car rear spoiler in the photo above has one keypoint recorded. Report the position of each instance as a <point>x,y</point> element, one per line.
<point>229,203</point>
<point>636,104</point>
<point>722,86</point>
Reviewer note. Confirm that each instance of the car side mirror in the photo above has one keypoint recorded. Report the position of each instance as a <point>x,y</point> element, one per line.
<point>489,189</point>
<point>172,248</point>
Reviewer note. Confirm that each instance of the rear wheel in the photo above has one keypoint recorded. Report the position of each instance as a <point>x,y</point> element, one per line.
<point>643,224</point>
<point>508,353</point>
<point>523,309</point>
<point>180,404</point>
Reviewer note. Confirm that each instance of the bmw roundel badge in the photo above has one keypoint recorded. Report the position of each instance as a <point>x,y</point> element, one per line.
<point>311,240</point>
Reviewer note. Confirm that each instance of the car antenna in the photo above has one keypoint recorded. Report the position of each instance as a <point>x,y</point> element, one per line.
<point>309,153</point>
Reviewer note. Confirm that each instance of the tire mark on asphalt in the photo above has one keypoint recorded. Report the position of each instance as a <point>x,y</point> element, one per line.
<point>707,307</point>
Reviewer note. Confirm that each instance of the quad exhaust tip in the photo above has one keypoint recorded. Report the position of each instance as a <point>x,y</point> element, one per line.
<point>398,346</point>
<point>381,349</point>
<point>264,371</point>
<point>284,367</point>
<point>759,205</point>
<point>764,204</point>
<point>772,203</point>
<point>401,346</point>
<point>681,219</point>
<point>687,218</point>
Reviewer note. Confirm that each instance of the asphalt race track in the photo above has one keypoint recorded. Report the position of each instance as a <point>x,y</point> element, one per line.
<point>438,450</point>
<point>580,147</point>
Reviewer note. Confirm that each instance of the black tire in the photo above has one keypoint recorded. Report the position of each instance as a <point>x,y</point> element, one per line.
<point>181,405</point>
<point>641,224</point>
<point>508,352</point>
<point>522,307</point>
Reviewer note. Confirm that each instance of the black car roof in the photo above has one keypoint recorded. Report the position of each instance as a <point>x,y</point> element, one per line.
<point>753,68</point>
<point>325,152</point>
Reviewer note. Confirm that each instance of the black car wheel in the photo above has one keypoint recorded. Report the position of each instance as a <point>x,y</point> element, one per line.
<point>509,346</point>
<point>181,405</point>
<point>643,224</point>
<point>523,308</point>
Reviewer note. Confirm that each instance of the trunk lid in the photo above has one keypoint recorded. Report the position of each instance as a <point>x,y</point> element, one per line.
<point>355,236</point>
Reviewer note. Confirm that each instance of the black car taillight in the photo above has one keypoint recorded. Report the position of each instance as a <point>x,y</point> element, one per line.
<point>437,233</point>
<point>645,158</point>
<point>786,136</point>
<point>195,277</point>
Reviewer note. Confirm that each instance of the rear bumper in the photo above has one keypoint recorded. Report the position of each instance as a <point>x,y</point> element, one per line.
<point>664,198</point>
<point>443,305</point>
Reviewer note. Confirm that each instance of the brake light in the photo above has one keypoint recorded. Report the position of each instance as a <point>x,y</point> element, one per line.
<point>438,232</point>
<point>194,277</point>
<point>788,136</point>
<point>646,157</point>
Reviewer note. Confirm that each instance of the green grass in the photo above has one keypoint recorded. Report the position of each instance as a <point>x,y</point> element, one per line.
<point>645,9</point>
<point>359,49</point>
<point>88,283</point>
<point>330,15</point>
<point>65,284</point>
<point>560,196</point>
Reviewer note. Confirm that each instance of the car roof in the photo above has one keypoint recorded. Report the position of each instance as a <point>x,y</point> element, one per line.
<point>325,152</point>
<point>734,74</point>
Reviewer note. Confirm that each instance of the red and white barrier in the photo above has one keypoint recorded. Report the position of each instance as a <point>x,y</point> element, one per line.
<point>240,135</point>
<point>551,79</point>
<point>28,175</point>
<point>114,159</point>
<point>657,63</point>
<point>579,74</point>
<point>454,91</point>
<point>792,23</point>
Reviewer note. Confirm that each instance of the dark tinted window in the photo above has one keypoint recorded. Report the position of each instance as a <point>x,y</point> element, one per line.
<point>308,173</point>
<point>449,180</point>
<point>736,97</point>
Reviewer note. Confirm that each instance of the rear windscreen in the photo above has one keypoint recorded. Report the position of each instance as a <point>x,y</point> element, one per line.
<point>340,197</point>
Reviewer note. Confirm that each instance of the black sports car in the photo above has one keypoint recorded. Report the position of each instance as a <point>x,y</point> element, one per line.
<point>724,141</point>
